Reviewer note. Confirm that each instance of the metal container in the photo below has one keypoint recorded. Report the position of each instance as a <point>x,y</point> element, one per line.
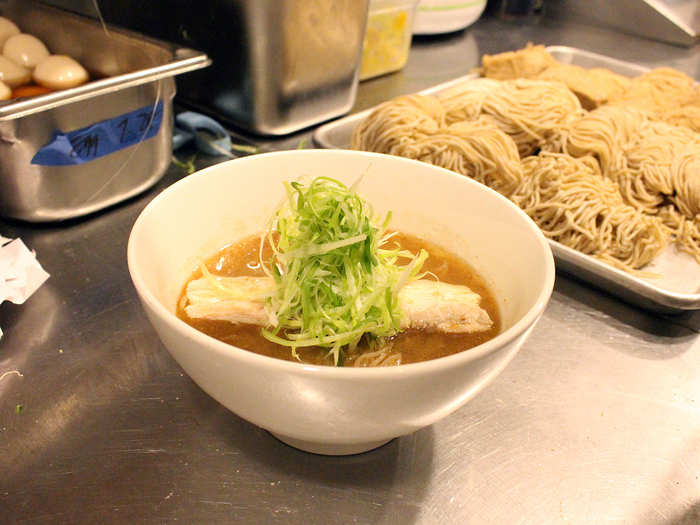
<point>278,65</point>
<point>72,152</point>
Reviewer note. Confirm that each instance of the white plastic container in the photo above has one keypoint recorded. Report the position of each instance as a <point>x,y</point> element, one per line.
<point>444,16</point>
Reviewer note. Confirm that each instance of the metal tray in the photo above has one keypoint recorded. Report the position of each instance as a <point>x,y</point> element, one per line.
<point>106,140</point>
<point>678,287</point>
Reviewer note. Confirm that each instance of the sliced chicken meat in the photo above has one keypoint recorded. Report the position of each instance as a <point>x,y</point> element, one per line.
<point>426,304</point>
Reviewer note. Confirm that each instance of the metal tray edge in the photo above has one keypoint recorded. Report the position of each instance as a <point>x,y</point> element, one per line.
<point>630,287</point>
<point>102,86</point>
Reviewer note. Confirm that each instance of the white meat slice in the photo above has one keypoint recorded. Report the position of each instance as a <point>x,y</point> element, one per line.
<point>442,307</point>
<point>426,304</point>
<point>232,299</point>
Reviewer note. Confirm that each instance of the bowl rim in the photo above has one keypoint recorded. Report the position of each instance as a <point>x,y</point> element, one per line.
<point>321,371</point>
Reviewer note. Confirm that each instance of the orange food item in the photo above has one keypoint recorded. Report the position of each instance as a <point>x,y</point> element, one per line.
<point>29,90</point>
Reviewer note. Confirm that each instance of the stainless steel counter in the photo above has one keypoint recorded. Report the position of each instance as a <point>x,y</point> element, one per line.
<point>597,420</point>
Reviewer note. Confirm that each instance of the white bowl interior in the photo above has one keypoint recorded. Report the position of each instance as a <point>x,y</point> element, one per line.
<point>227,202</point>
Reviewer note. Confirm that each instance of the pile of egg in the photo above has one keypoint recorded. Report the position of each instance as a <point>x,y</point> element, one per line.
<point>27,68</point>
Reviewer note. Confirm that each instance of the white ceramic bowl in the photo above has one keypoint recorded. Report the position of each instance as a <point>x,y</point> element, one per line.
<point>444,16</point>
<point>324,409</point>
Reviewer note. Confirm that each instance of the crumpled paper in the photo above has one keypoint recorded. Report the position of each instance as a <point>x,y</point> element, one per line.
<point>20,272</point>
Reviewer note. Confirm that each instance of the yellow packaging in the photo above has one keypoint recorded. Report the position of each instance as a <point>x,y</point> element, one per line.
<point>387,38</point>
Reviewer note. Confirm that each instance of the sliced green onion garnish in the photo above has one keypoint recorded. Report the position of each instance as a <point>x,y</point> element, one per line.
<point>337,280</point>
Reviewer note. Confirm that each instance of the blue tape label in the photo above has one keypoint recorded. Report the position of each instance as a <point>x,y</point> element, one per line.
<point>102,138</point>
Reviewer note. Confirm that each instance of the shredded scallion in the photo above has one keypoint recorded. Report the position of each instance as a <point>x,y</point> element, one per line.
<point>337,280</point>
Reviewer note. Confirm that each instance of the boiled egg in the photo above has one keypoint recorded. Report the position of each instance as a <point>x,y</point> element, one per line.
<point>59,72</point>
<point>25,49</point>
<point>13,74</point>
<point>7,29</point>
<point>5,91</point>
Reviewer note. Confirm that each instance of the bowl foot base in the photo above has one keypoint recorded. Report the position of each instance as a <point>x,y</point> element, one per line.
<point>330,449</point>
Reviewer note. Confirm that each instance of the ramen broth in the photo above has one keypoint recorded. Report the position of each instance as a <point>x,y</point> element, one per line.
<point>241,259</point>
